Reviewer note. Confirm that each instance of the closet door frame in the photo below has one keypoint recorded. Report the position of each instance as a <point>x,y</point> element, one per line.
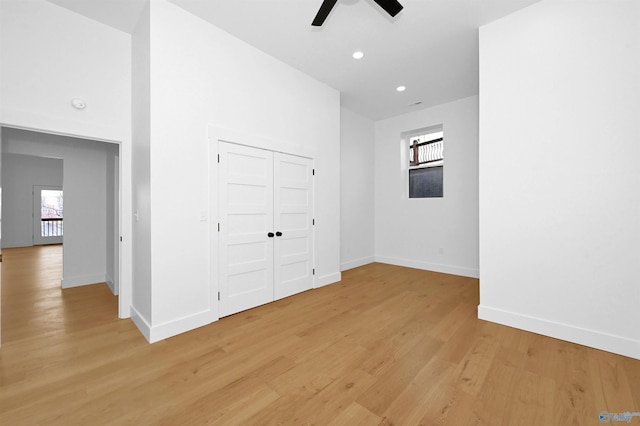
<point>216,136</point>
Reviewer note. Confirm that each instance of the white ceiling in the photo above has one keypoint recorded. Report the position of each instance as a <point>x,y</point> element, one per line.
<point>119,14</point>
<point>431,47</point>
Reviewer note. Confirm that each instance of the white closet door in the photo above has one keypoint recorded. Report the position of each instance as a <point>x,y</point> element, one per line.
<point>245,200</point>
<point>293,223</point>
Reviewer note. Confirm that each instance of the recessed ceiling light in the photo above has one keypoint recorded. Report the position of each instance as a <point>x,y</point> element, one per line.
<point>401,88</point>
<point>358,55</point>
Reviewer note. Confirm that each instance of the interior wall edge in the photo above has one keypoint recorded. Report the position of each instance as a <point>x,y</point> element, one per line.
<point>180,325</point>
<point>433,267</point>
<point>16,244</point>
<point>570,333</point>
<point>323,280</point>
<point>80,280</point>
<point>355,263</point>
<point>141,323</point>
<point>110,284</point>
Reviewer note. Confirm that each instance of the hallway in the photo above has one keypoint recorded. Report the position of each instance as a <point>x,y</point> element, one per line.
<point>34,304</point>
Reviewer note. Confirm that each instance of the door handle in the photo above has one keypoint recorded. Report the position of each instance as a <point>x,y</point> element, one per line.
<point>278,234</point>
<point>270,235</point>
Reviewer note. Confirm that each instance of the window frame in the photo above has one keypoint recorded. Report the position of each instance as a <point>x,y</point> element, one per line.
<point>407,138</point>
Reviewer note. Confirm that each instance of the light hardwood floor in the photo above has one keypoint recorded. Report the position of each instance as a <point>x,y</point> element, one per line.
<point>387,345</point>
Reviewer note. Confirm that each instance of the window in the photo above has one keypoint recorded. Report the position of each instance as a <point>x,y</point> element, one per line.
<point>51,202</point>
<point>426,162</point>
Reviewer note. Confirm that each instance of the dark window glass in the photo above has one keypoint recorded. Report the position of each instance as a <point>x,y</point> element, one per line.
<point>425,182</point>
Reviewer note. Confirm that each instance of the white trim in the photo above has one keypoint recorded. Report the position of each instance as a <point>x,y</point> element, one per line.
<point>141,323</point>
<point>427,266</point>
<point>125,222</point>
<point>59,126</point>
<point>81,280</point>
<point>435,128</point>
<point>214,220</point>
<point>356,263</point>
<point>110,284</point>
<point>434,163</point>
<point>217,134</point>
<point>570,333</point>
<point>327,279</point>
<point>181,325</point>
<point>56,126</point>
<point>11,244</point>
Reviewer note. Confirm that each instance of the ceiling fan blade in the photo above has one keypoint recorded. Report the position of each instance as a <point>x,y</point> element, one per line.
<point>392,7</point>
<point>324,11</point>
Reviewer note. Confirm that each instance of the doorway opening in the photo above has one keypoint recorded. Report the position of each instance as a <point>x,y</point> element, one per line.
<point>79,211</point>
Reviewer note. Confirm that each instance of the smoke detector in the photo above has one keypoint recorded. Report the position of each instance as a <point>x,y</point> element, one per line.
<point>78,103</point>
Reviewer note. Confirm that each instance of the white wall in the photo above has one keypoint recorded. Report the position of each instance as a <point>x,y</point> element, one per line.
<point>141,172</point>
<point>357,242</point>
<point>20,174</point>
<point>559,228</point>
<point>438,234</point>
<point>84,183</point>
<point>50,55</point>
<point>206,83</point>
<point>0,230</point>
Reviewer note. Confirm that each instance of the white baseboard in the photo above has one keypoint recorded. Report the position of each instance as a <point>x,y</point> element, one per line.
<point>181,325</point>
<point>327,279</point>
<point>172,328</point>
<point>141,323</point>
<point>435,267</point>
<point>595,339</point>
<point>77,281</point>
<point>15,244</point>
<point>356,263</point>
<point>111,286</point>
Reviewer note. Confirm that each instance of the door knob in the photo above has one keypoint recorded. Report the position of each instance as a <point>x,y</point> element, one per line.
<point>278,234</point>
<point>270,235</point>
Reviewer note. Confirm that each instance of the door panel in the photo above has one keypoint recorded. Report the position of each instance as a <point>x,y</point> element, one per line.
<point>245,200</point>
<point>293,217</point>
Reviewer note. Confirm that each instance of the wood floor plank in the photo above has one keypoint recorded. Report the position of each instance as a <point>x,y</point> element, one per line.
<point>532,401</point>
<point>610,384</point>
<point>394,380</point>
<point>418,397</point>
<point>474,366</point>
<point>387,345</point>
<point>494,395</point>
<point>355,415</point>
